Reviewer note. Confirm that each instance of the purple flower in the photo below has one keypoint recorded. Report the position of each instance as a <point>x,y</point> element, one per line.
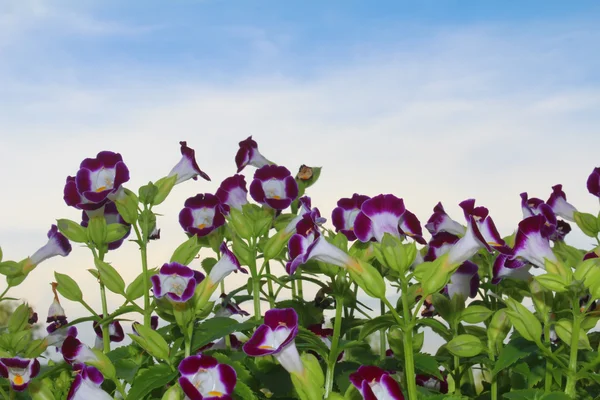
<point>248,154</point>
<point>187,168</point>
<point>112,216</point>
<point>221,344</point>
<point>57,245</point>
<point>202,377</point>
<point>593,182</point>
<point>227,264</point>
<point>19,371</point>
<point>86,385</point>
<point>58,332</point>
<point>325,334</point>
<point>344,215</point>
<point>505,267</point>
<point>433,383</point>
<point>464,281</point>
<point>233,192</point>
<point>530,206</point>
<point>410,226</point>
<point>202,214</point>
<point>589,255</point>
<point>440,244</point>
<point>276,337</point>
<point>96,179</point>
<point>56,313</point>
<point>74,351</point>
<point>562,229</point>
<point>441,222</point>
<point>115,332</point>
<point>378,215</point>
<point>558,203</point>
<point>375,384</point>
<point>229,308</point>
<point>274,186</point>
<point>175,281</point>
<point>530,244</point>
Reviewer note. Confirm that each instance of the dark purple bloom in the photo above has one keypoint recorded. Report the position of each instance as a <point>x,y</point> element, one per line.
<point>589,255</point>
<point>96,179</point>
<point>344,215</point>
<point>324,334</point>
<point>202,377</point>
<point>187,168</point>
<point>441,222</point>
<point>410,226</point>
<point>464,281</point>
<point>530,206</point>
<point>19,371</point>
<point>375,384</point>
<point>86,385</point>
<point>229,308</point>
<point>593,182</point>
<point>433,383</point>
<point>274,186</point>
<point>58,332</point>
<point>115,332</point>
<point>202,214</point>
<point>276,337</point>
<point>56,313</point>
<point>175,281</point>
<point>248,154</point>
<point>485,224</point>
<point>74,351</point>
<point>57,245</point>
<point>505,267</point>
<point>562,229</point>
<point>530,243</point>
<point>378,215</point>
<point>560,206</point>
<point>440,244</point>
<point>233,192</point>
<point>227,264</point>
<point>112,216</point>
<point>221,344</point>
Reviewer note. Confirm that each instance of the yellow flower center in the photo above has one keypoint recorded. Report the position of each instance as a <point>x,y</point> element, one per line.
<point>201,226</point>
<point>265,346</point>
<point>214,393</point>
<point>101,189</point>
<point>18,380</point>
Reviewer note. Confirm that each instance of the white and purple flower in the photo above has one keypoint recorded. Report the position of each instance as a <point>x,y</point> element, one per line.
<point>87,384</point>
<point>593,182</point>
<point>248,154</point>
<point>530,244</point>
<point>96,179</point>
<point>112,216</point>
<point>19,371</point>
<point>439,245</point>
<point>74,351</point>
<point>410,226</point>
<point>378,215</point>
<point>441,222</point>
<point>175,281</point>
<point>559,204</point>
<point>227,264</point>
<point>505,267</point>
<point>227,308</point>
<point>115,332</point>
<point>375,384</point>
<point>57,245</point>
<point>202,377</point>
<point>187,168</point>
<point>344,215</point>
<point>233,192</point>
<point>276,337</point>
<point>202,214</point>
<point>274,186</point>
<point>433,383</point>
<point>464,281</point>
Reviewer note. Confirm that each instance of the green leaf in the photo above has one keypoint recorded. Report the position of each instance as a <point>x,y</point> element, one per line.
<point>156,376</point>
<point>147,193</point>
<point>588,223</point>
<point>526,394</point>
<point>116,232</point>
<point>216,328</point>
<point>19,319</point>
<point>135,290</point>
<point>442,306</point>
<point>524,321</point>
<point>67,287</point>
<point>110,277</point>
<point>376,324</point>
<point>564,330</point>
<point>465,346</point>
<point>514,351</point>
<point>187,251</point>
<point>241,250</point>
<point>151,341</point>
<point>72,230</point>
<point>241,391</point>
<point>555,283</point>
<point>428,365</point>
<point>207,264</point>
<point>474,314</point>
<point>307,340</point>
<point>556,396</point>
<point>164,187</point>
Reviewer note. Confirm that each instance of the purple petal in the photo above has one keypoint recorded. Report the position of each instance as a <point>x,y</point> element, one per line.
<point>593,182</point>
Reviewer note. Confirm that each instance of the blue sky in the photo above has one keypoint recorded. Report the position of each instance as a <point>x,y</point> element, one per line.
<point>429,100</point>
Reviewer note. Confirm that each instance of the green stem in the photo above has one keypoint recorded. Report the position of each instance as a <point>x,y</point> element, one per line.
<point>255,281</point>
<point>144,253</point>
<point>105,333</point>
<point>300,294</point>
<point>549,366</point>
<point>337,327</point>
<point>456,367</point>
<point>4,395</point>
<point>382,347</point>
<point>293,290</point>
<point>572,375</point>
<point>409,362</point>
<point>4,293</point>
<point>271,296</point>
<point>120,388</point>
<point>492,355</point>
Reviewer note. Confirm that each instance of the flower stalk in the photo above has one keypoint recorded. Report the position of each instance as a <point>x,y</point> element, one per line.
<point>333,352</point>
<point>572,374</point>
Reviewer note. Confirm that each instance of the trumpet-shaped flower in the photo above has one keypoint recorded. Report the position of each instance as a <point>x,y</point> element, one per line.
<point>439,245</point>
<point>276,337</point>
<point>344,215</point>
<point>593,182</point>
<point>464,281</point>
<point>227,264</point>
<point>227,308</point>
<point>187,168</point>
<point>441,222</point>
<point>86,385</point>
<point>19,371</point>
<point>505,267</point>
<point>74,351</point>
<point>115,332</point>
<point>410,226</point>
<point>530,206</point>
<point>202,214</point>
<point>248,154</point>
<point>378,215</point>
<point>175,281</point>
<point>487,232</point>
<point>58,332</point>
<point>202,377</point>
<point>96,179</point>
<point>56,313</point>
<point>274,186</point>
<point>233,192</point>
<point>530,244</point>
<point>375,384</point>
<point>559,204</point>
<point>57,245</point>
<point>112,216</point>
